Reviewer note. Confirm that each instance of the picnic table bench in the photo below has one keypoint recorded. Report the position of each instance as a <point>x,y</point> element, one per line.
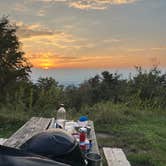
<point>115,157</point>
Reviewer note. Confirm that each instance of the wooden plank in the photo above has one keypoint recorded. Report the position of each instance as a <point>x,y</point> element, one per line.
<point>119,154</point>
<point>52,123</point>
<point>95,148</point>
<point>2,140</point>
<point>34,126</point>
<point>115,157</point>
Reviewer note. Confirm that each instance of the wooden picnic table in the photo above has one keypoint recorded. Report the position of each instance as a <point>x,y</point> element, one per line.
<point>114,156</point>
<point>38,124</point>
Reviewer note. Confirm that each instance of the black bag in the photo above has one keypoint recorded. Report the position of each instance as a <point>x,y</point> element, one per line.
<point>57,145</point>
<point>15,157</point>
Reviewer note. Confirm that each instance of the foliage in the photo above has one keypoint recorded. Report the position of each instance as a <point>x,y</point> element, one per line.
<point>146,89</point>
<point>13,66</point>
<point>49,94</point>
<point>141,134</point>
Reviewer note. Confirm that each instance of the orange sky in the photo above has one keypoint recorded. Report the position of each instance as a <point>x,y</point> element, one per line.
<point>90,33</point>
<point>49,60</point>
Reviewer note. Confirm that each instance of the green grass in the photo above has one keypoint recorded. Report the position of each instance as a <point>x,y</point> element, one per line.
<point>143,139</point>
<point>8,129</point>
<point>11,119</point>
<point>140,133</point>
<point>10,122</point>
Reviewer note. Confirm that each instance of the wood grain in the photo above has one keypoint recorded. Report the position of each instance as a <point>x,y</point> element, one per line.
<point>95,148</point>
<point>34,126</point>
<point>2,141</point>
<point>115,157</point>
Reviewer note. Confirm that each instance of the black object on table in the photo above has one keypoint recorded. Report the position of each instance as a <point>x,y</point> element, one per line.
<point>57,145</point>
<point>15,157</point>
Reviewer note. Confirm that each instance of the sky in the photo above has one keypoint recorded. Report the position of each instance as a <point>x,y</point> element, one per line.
<point>90,33</point>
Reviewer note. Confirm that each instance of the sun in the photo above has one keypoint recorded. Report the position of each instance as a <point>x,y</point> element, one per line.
<point>47,65</point>
<point>42,60</point>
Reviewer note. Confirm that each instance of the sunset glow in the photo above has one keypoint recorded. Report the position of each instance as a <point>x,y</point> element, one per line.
<point>90,34</point>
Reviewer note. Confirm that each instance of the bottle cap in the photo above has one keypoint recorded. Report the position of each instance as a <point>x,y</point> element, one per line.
<point>83,129</point>
<point>83,118</point>
<point>62,105</point>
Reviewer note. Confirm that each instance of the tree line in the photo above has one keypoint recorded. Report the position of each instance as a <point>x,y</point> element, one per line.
<point>18,92</point>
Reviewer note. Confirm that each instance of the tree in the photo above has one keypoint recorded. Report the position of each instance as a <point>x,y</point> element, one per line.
<point>49,94</point>
<point>111,86</point>
<point>46,83</point>
<point>14,66</point>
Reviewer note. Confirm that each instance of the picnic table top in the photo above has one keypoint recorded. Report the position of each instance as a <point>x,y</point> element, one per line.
<point>38,124</point>
<point>114,156</point>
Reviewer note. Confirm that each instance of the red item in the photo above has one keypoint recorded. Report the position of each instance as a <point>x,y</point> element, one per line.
<point>82,136</point>
<point>83,146</point>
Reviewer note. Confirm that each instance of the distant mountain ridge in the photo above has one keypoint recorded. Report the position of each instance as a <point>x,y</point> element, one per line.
<point>76,76</point>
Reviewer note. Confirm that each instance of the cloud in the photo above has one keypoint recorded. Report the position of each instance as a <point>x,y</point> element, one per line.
<point>41,13</point>
<point>112,40</point>
<point>136,49</point>
<point>97,4</point>
<point>47,60</point>
<point>38,38</point>
<point>86,5</point>
<point>90,4</point>
<point>57,41</point>
<point>18,7</point>
<point>158,48</point>
<point>51,0</point>
<point>27,31</point>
